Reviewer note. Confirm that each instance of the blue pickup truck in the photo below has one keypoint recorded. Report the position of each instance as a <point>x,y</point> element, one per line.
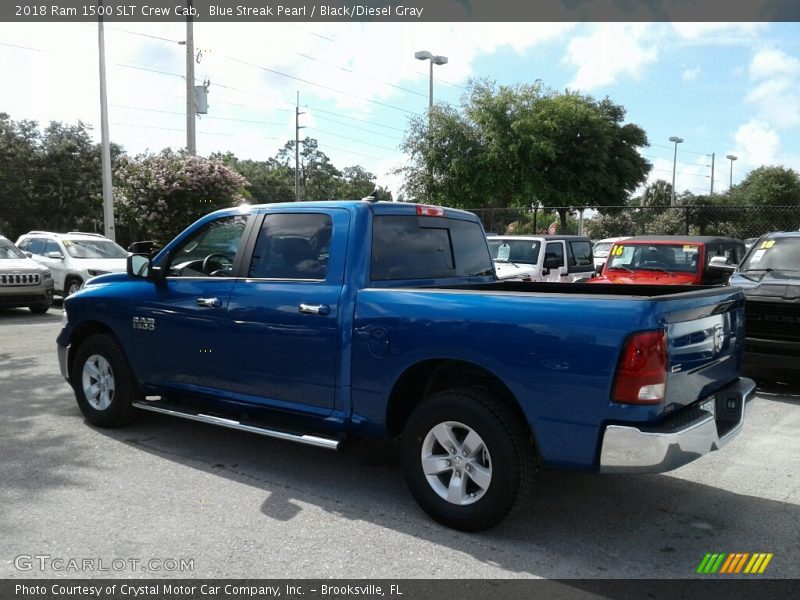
<point>320,321</point>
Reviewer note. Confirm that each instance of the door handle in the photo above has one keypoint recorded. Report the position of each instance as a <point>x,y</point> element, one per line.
<point>209,302</point>
<point>315,309</point>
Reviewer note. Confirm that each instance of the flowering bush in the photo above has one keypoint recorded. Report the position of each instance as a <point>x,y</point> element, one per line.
<point>156,196</point>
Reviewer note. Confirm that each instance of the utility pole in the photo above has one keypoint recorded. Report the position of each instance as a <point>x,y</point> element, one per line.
<point>105,142</point>
<point>712,173</point>
<point>297,129</point>
<point>191,134</point>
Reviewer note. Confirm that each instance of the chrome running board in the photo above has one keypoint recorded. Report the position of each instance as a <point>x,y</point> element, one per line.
<point>183,413</point>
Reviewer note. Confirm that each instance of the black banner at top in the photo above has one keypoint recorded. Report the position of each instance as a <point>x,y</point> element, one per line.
<point>409,11</point>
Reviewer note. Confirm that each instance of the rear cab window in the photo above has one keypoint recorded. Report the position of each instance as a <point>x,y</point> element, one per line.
<point>422,247</point>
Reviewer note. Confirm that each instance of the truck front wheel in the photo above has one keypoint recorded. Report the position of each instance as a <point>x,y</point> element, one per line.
<point>466,458</point>
<point>104,385</point>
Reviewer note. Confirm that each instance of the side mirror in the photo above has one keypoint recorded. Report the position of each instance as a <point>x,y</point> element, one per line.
<point>29,254</point>
<point>720,263</point>
<point>139,266</point>
<point>552,262</point>
<point>56,255</point>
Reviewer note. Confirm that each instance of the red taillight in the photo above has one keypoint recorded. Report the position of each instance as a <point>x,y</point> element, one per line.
<point>429,211</point>
<point>642,370</point>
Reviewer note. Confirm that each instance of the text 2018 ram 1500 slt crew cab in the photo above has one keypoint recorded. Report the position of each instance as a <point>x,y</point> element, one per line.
<point>317,321</point>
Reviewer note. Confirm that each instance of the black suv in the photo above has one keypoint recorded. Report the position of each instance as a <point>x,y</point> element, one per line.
<point>770,276</point>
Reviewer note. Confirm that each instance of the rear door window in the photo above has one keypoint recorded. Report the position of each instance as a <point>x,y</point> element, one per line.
<point>292,246</point>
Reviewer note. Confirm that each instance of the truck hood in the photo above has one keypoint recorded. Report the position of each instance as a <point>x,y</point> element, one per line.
<point>107,278</point>
<point>642,277</point>
<point>783,285</point>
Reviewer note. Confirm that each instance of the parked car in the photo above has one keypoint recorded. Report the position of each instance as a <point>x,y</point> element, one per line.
<point>73,257</point>
<point>770,277</point>
<point>562,258</point>
<point>23,282</point>
<point>600,250</point>
<point>382,319</point>
<point>671,260</point>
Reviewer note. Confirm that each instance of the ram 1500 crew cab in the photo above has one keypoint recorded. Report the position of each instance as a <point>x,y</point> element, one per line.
<point>317,321</point>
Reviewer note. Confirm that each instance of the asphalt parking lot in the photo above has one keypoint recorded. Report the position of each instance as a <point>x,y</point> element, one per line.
<point>240,505</point>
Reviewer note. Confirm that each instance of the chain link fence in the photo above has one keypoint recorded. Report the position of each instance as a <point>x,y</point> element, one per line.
<point>740,222</point>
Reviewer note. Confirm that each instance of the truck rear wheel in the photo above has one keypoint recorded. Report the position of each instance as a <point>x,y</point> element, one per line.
<point>104,385</point>
<point>466,459</point>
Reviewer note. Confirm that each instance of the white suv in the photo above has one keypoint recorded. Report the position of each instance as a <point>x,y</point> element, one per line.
<point>73,257</point>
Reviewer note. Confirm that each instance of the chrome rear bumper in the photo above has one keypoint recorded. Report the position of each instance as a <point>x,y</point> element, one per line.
<point>697,430</point>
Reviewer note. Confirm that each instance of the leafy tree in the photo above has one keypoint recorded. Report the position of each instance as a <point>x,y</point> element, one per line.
<point>657,196</point>
<point>768,186</point>
<point>269,181</point>
<point>319,179</point>
<point>49,180</point>
<point>158,195</point>
<point>524,145</point>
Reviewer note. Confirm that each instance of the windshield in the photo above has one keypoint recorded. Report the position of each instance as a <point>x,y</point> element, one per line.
<point>675,258</point>
<point>516,251</point>
<point>779,254</point>
<point>9,251</point>
<point>98,248</point>
<point>602,248</point>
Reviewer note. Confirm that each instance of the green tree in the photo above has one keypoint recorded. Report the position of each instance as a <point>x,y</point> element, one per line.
<point>49,180</point>
<point>158,195</point>
<point>524,145</point>
<point>319,179</point>
<point>768,186</point>
<point>268,181</point>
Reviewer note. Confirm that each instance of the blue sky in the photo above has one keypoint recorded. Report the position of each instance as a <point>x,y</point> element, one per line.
<point>724,88</point>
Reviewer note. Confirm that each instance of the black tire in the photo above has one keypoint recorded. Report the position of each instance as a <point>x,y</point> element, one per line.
<point>509,460</point>
<point>39,309</point>
<point>72,285</point>
<point>106,356</point>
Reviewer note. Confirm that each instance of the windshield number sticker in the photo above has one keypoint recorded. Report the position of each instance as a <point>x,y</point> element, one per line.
<point>617,250</point>
<point>767,244</point>
<point>687,248</point>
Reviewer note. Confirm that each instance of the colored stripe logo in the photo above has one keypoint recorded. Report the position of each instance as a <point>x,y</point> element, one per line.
<point>732,563</point>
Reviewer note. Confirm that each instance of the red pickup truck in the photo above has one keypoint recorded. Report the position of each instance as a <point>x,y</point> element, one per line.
<point>672,260</point>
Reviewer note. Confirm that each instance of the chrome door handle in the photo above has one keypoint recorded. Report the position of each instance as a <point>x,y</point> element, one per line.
<point>315,309</point>
<point>209,302</point>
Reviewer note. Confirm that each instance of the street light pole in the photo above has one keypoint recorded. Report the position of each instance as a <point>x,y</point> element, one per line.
<point>731,157</point>
<point>677,140</point>
<point>105,141</point>
<point>434,60</point>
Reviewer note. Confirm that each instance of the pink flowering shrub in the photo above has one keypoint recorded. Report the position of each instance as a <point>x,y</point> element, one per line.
<point>157,196</point>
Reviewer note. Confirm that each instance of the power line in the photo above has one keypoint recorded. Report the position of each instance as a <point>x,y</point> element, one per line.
<point>353,139</point>
<point>175,112</point>
<point>320,85</point>
<point>355,127</point>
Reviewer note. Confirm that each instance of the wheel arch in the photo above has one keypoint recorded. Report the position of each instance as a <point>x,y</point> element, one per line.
<point>421,380</point>
<point>84,331</point>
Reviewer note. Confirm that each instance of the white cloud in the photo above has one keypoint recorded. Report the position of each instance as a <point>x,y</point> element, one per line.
<point>610,51</point>
<point>690,74</point>
<point>757,144</point>
<point>776,77</point>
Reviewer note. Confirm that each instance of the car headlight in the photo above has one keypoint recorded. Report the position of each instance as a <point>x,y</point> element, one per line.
<point>96,272</point>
